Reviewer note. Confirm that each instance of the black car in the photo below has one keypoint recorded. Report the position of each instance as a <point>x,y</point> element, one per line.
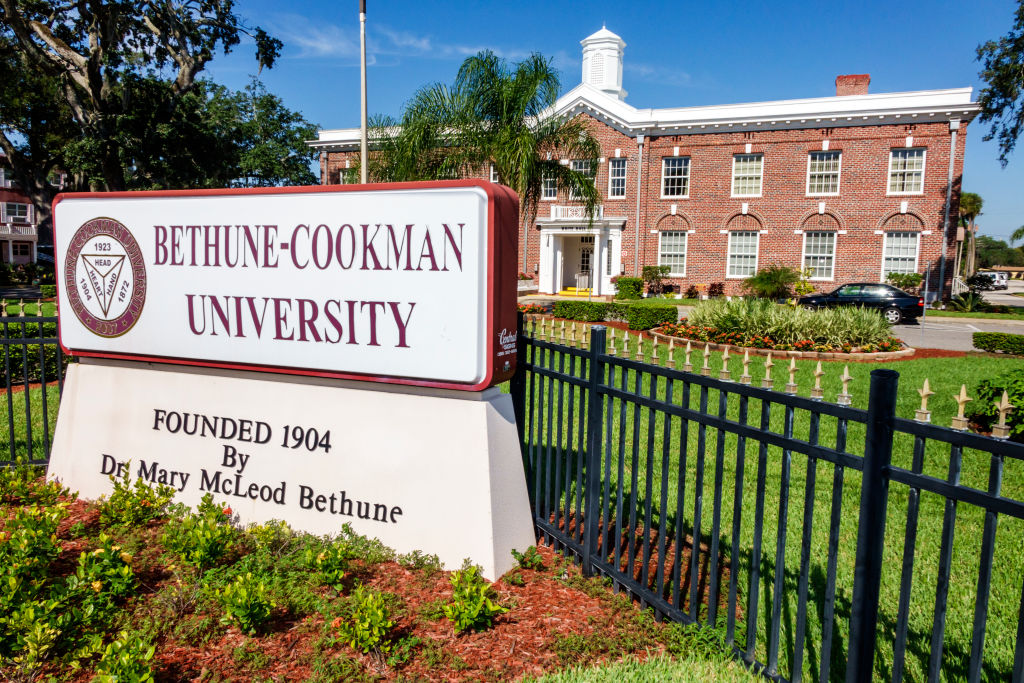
<point>894,304</point>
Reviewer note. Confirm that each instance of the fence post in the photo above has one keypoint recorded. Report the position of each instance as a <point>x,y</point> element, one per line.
<point>517,388</point>
<point>595,428</point>
<point>874,498</point>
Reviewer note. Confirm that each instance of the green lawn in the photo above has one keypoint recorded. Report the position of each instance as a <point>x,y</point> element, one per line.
<point>32,432</point>
<point>663,668</point>
<point>992,316</point>
<point>635,427</point>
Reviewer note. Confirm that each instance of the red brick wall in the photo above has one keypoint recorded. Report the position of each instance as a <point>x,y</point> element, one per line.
<point>861,208</point>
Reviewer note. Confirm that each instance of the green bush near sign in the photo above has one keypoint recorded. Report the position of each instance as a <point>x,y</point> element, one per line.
<point>636,316</point>
<point>629,287</point>
<point>1000,341</point>
<point>48,291</point>
<point>36,361</point>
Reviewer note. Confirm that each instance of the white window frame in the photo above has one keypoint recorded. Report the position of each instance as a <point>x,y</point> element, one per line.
<point>803,255</point>
<point>888,176</point>
<point>839,173</point>
<point>583,166</point>
<point>612,163</point>
<point>917,251</point>
<point>21,249</point>
<point>685,177</point>
<point>545,179</point>
<point>9,218</point>
<point>686,248</point>
<point>760,178</point>
<point>729,254</point>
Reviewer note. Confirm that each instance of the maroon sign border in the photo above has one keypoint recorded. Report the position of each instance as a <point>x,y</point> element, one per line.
<point>500,299</point>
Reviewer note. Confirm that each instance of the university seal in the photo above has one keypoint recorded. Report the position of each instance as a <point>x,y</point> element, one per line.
<point>106,277</point>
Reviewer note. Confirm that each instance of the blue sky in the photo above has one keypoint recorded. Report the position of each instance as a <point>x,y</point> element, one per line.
<point>677,54</point>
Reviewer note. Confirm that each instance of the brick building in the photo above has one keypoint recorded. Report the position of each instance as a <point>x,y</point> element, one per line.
<point>849,187</point>
<point>19,232</point>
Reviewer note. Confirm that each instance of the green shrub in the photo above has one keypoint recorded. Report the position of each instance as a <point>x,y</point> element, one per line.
<point>20,367</point>
<point>908,282</point>
<point>472,606</point>
<point>980,283</point>
<point>105,571</point>
<point>134,505</point>
<point>245,603</point>
<point>1000,341</point>
<point>531,559</point>
<point>23,484</point>
<point>127,658</point>
<point>646,317</point>
<point>653,277</point>
<point>590,311</point>
<point>968,302</point>
<point>773,282</point>
<point>366,623</point>
<point>330,563</point>
<point>203,538</point>
<point>628,287</point>
<point>48,291</point>
<point>989,391</point>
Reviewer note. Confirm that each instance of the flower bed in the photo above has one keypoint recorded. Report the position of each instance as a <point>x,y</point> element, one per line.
<point>684,330</point>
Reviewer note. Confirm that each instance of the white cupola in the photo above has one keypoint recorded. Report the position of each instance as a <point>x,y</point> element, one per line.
<point>602,62</point>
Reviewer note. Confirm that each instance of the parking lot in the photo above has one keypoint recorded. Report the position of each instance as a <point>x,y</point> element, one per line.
<point>951,333</point>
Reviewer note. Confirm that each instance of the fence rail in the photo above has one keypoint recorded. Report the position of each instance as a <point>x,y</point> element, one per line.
<point>807,531</point>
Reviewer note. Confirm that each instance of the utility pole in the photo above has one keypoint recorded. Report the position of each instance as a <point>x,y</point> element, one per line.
<point>362,70</point>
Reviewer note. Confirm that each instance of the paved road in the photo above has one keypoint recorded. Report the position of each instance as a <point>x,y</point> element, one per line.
<point>952,333</point>
<point>1006,296</point>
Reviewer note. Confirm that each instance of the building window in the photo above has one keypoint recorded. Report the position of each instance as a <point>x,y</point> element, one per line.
<point>16,213</point>
<point>742,253</point>
<point>20,249</point>
<point>617,178</point>
<point>494,175</point>
<point>549,187</point>
<point>672,251</point>
<point>900,254</point>
<point>906,171</point>
<point>608,258</point>
<point>823,172</point>
<point>820,254</point>
<point>746,175</point>
<point>584,168</point>
<point>675,177</point>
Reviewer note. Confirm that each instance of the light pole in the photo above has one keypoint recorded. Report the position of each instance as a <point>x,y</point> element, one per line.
<point>362,72</point>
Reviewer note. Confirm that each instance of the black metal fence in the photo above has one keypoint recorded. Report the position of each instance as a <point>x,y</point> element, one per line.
<point>32,368</point>
<point>824,541</point>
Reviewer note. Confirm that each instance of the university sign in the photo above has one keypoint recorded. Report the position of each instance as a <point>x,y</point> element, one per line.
<point>412,284</point>
<point>318,355</point>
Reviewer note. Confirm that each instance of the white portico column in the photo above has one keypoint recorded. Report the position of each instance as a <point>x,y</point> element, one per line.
<point>597,269</point>
<point>10,251</point>
<point>34,255</point>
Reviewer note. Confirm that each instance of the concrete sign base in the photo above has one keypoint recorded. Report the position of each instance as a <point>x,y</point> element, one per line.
<point>420,469</point>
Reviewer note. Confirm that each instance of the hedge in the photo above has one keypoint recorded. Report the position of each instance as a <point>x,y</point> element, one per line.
<point>22,362</point>
<point>629,287</point>
<point>48,291</point>
<point>1000,341</point>
<point>636,317</point>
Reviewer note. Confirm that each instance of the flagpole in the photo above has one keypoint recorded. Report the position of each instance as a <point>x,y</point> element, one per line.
<point>362,70</point>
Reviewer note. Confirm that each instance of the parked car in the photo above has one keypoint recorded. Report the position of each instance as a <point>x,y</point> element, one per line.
<point>894,304</point>
<point>1000,279</point>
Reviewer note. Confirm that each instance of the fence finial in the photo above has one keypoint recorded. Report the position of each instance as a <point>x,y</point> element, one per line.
<point>791,385</point>
<point>816,391</point>
<point>586,336</point>
<point>923,414</point>
<point>671,359</point>
<point>572,334</point>
<point>706,370</point>
<point>844,398</point>
<point>962,399</point>
<point>625,345</point>
<point>639,347</point>
<point>724,372</point>
<point>654,350</point>
<point>688,366</point>
<point>562,335</point>
<point>611,344</point>
<point>1002,430</point>
<point>766,381</point>
<point>745,377</point>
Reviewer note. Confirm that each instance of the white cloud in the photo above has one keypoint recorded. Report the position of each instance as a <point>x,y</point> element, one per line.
<point>657,74</point>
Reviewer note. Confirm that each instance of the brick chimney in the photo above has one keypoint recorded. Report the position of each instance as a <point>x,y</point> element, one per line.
<point>852,84</point>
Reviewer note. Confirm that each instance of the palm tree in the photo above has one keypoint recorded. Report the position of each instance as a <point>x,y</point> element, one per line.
<point>493,114</point>
<point>1017,235</point>
<point>970,208</point>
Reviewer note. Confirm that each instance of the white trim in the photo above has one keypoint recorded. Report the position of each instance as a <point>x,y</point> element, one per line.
<point>732,187</point>
<point>554,196</point>
<point>625,174</point>
<point>686,248</point>
<point>924,169</point>
<point>803,254</point>
<point>685,177</point>
<point>839,173</point>
<point>917,250</point>
<point>728,252</point>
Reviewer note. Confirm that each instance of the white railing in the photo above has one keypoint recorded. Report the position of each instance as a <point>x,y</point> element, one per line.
<point>9,229</point>
<point>959,286</point>
<point>573,213</point>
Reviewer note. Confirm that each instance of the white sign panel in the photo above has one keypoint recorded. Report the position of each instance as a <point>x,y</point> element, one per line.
<point>393,284</point>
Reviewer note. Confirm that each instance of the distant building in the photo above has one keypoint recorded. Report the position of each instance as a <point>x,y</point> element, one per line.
<point>849,187</point>
<point>19,232</point>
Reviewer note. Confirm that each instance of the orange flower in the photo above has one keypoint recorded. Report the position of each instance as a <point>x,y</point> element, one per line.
<point>227,511</point>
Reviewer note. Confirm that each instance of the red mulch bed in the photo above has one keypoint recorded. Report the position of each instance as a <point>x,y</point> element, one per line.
<point>15,388</point>
<point>557,619</point>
